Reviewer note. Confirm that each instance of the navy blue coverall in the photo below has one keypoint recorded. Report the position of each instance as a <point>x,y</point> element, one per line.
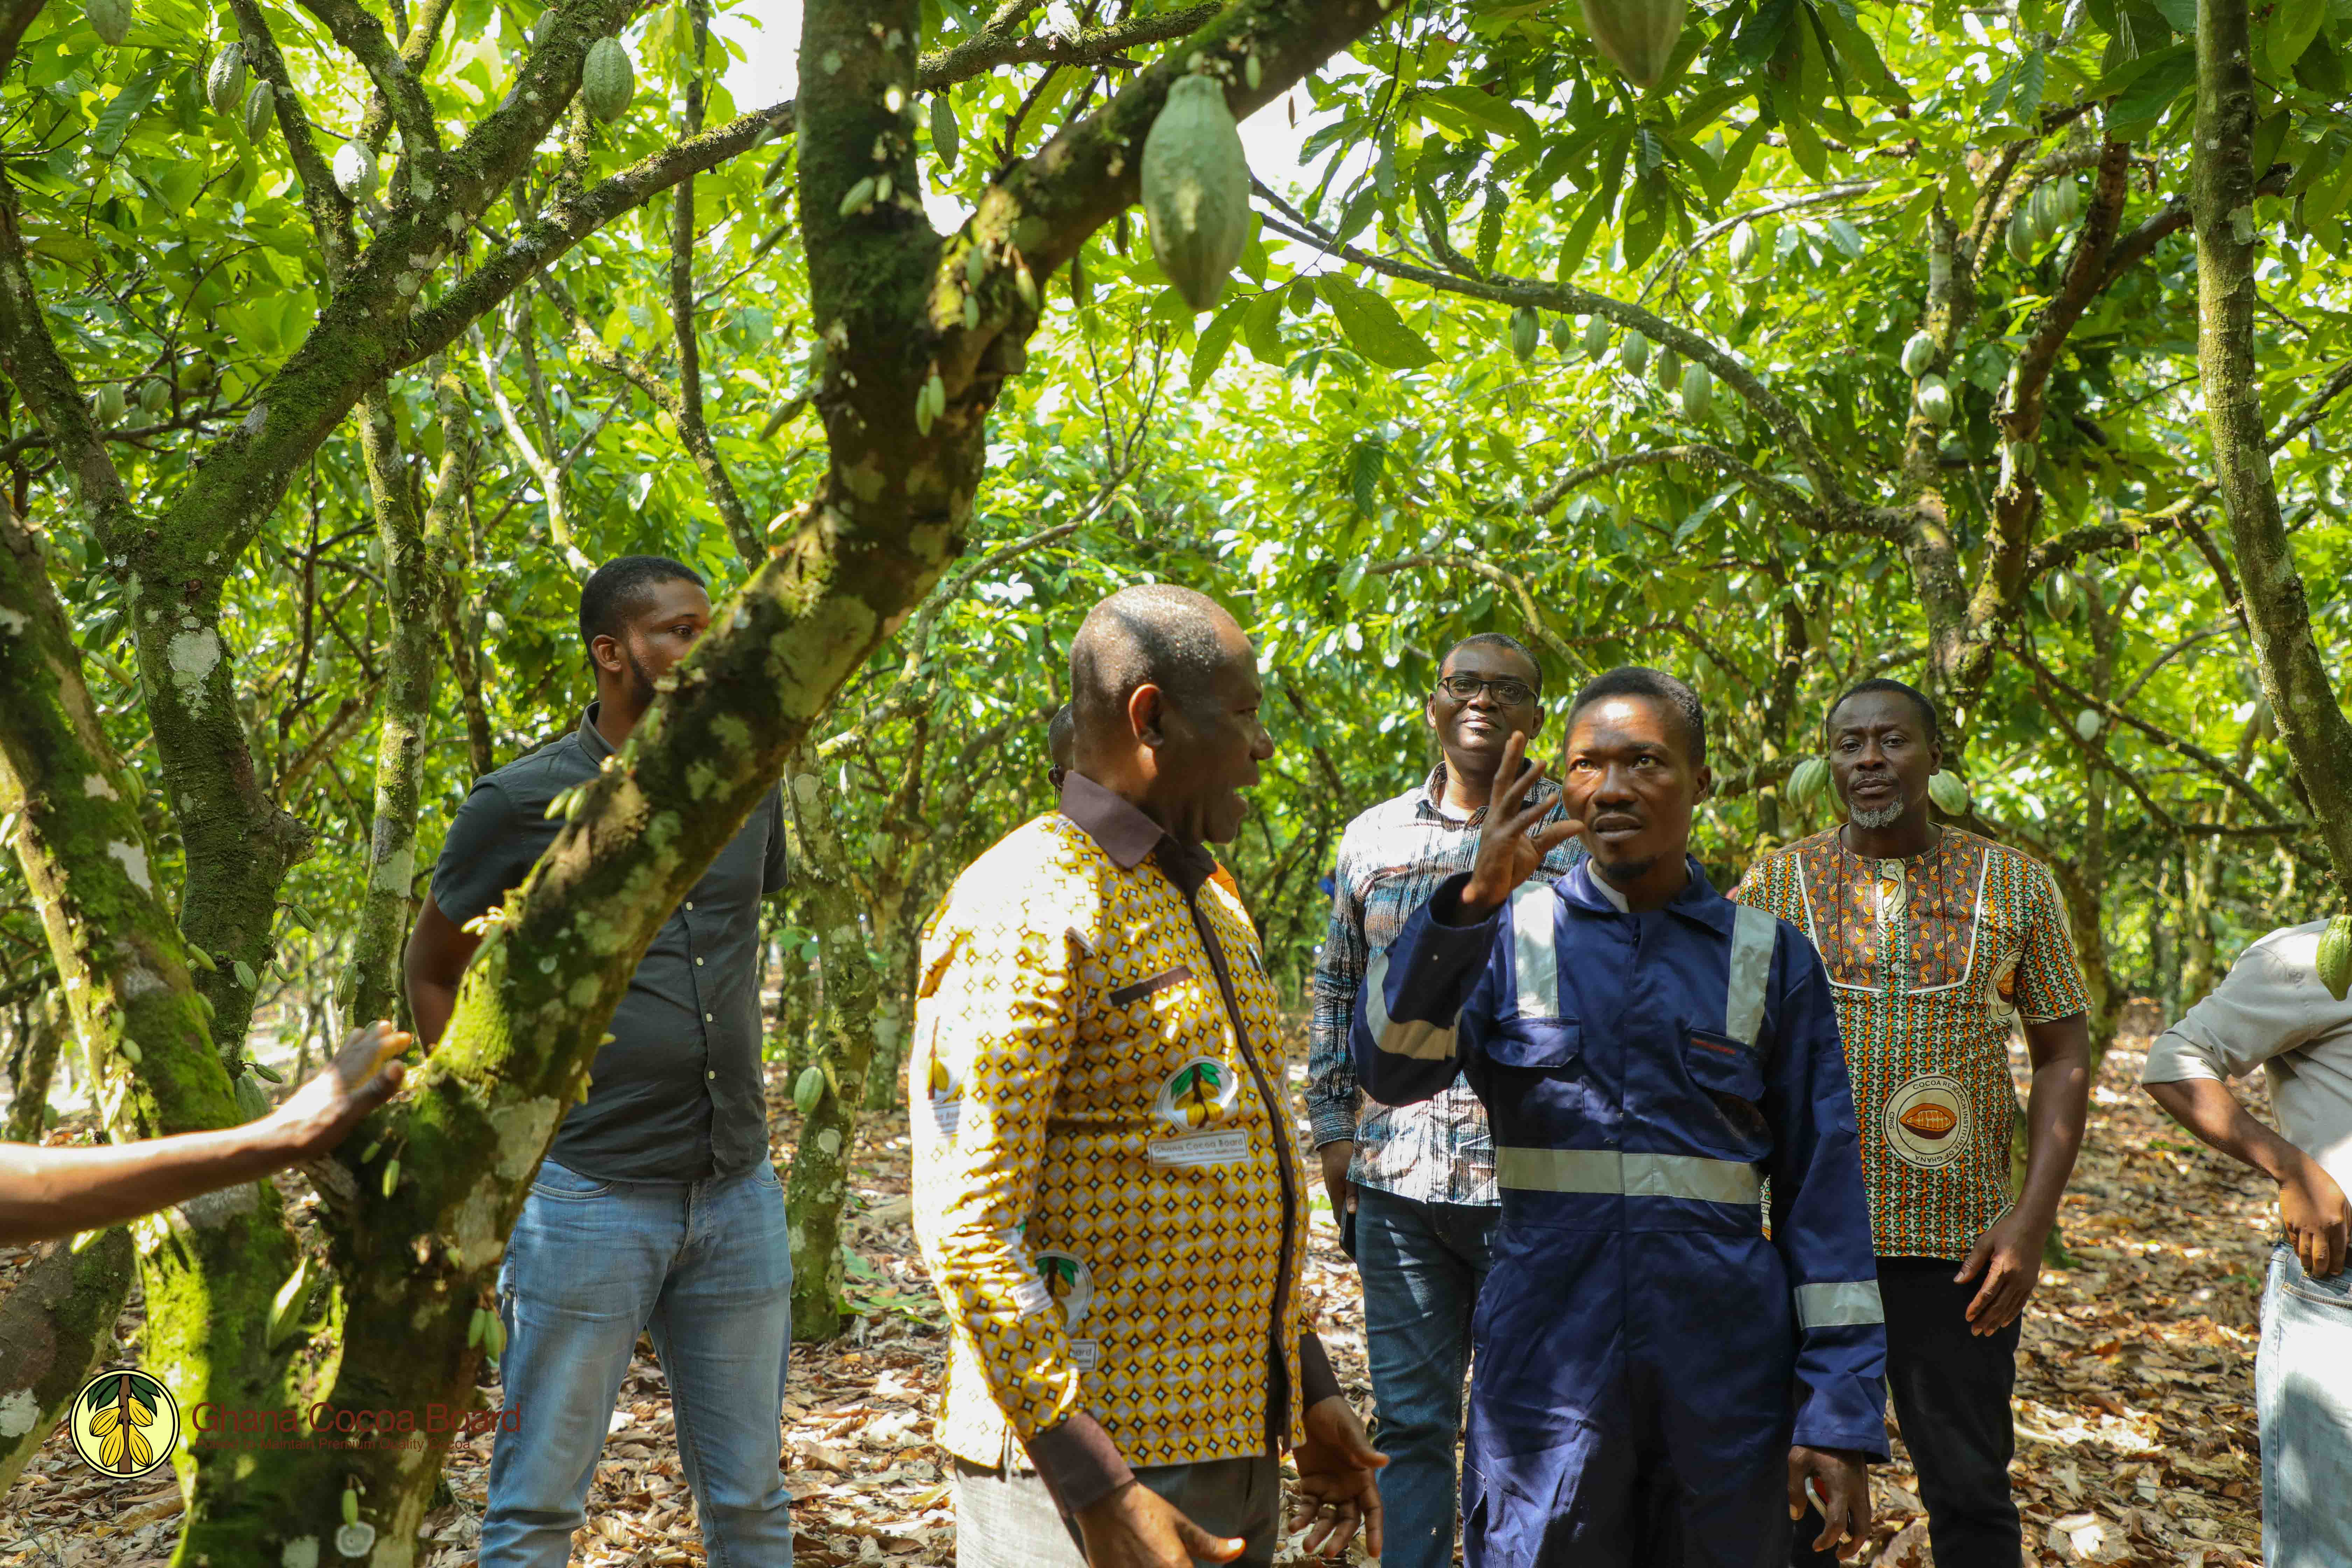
<point>1645,1353</point>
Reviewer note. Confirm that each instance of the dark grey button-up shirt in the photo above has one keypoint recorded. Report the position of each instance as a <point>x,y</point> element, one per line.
<point>677,1095</point>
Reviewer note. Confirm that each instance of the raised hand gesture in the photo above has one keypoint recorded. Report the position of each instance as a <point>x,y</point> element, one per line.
<point>1511,847</point>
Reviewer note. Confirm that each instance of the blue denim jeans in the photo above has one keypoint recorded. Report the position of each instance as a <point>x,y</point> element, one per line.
<point>1423,1265</point>
<point>2303,1391</point>
<point>706,1268</point>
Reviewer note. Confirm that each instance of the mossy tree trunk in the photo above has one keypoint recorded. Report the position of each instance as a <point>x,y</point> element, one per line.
<point>414,544</point>
<point>36,1066</point>
<point>841,1046</point>
<point>54,1326</point>
<point>2221,193</point>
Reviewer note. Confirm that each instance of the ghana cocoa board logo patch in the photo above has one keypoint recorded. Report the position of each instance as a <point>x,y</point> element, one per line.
<point>1925,1121</point>
<point>124,1424</point>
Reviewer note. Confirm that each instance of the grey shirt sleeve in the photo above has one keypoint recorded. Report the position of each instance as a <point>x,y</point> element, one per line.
<point>777,873</point>
<point>489,852</point>
<point>2256,1013</point>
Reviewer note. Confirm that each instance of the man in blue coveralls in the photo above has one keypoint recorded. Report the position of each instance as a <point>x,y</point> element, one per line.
<point>1657,1382</point>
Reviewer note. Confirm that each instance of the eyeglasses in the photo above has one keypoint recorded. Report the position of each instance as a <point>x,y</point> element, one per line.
<point>1510,693</point>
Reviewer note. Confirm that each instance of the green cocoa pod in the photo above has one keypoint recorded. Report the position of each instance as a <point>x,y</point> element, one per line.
<point>2065,200</point>
<point>474,1327</point>
<point>2059,595</point>
<point>1805,781</point>
<point>1918,354</point>
<point>1196,190</point>
<point>1597,333</point>
<point>1637,37</point>
<point>351,1505</point>
<point>608,82</point>
<point>110,19</point>
<point>808,1089</point>
<point>1670,369</point>
<point>391,1174</point>
<point>2087,723</point>
<point>1934,400</point>
<point>224,82</point>
<point>1526,328</point>
<point>2021,243</point>
<point>110,403</point>
<point>1561,335</point>
<point>153,395</point>
<point>355,170</point>
<point>272,1074</point>
<point>258,103</point>
<point>2334,963</point>
<point>494,1337</point>
<point>1635,354</point>
<point>2019,456</point>
<point>1698,393</point>
<point>1744,247</point>
<point>946,135</point>
<point>1949,792</point>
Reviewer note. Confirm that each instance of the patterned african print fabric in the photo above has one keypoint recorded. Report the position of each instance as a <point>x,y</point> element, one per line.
<point>1099,1157</point>
<point>1931,961</point>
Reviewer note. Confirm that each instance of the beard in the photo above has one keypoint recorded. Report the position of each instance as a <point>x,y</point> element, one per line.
<point>641,682</point>
<point>1886,815</point>
<point>1623,871</point>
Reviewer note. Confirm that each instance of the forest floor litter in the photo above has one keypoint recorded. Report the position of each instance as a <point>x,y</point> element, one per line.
<point>2137,1438</point>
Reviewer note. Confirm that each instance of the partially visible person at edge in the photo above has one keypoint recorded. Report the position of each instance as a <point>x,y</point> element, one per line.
<point>1939,942</point>
<point>657,1207</point>
<point>1108,1192</point>
<point>1657,1382</point>
<point>1414,1186</point>
<point>1062,746</point>
<point>2271,1012</point>
<point>49,1192</point>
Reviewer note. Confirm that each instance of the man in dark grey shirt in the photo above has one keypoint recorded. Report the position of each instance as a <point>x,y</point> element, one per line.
<point>657,1207</point>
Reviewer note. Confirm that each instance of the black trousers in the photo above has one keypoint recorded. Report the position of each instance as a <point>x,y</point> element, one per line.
<point>1951,1392</point>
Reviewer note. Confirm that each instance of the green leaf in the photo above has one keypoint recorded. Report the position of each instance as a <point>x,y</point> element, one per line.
<point>1262,328</point>
<point>1372,326</point>
<point>1215,339</point>
<point>2292,24</point>
<point>2155,91</point>
<point>115,119</point>
<point>1364,465</point>
<point>1847,237</point>
<point>1496,113</point>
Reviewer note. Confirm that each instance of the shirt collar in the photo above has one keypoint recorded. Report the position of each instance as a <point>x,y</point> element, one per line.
<point>591,739</point>
<point>1124,834</point>
<point>1426,803</point>
<point>1586,889</point>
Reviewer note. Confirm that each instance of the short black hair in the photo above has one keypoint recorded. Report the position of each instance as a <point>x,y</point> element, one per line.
<point>1635,680</point>
<point>1493,640</point>
<point>618,589</point>
<point>1919,699</point>
<point>1155,634</point>
<point>1062,736</point>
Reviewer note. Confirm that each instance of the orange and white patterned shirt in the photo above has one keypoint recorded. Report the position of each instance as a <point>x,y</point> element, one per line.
<point>1107,1190</point>
<point>1931,961</point>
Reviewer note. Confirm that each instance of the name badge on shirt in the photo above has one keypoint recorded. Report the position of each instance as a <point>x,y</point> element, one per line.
<point>1086,1354</point>
<point>1201,1149</point>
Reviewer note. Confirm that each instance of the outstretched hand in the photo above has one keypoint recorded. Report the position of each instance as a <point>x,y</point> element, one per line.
<point>1511,847</point>
<point>361,1075</point>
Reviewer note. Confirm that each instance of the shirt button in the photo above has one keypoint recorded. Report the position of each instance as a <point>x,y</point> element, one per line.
<point>710,1017</point>
<point>689,903</point>
<point>697,962</point>
<point>710,1075</point>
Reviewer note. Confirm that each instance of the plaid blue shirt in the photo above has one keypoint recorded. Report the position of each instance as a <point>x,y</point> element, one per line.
<point>1391,860</point>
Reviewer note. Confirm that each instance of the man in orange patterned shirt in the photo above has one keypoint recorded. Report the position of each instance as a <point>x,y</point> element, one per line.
<point>1937,942</point>
<point>1108,1186</point>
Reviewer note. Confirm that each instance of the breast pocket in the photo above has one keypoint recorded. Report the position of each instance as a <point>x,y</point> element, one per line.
<point>1730,1074</point>
<point>1537,1044</point>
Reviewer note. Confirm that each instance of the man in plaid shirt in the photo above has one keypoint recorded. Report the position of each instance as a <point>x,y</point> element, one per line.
<point>1415,1184</point>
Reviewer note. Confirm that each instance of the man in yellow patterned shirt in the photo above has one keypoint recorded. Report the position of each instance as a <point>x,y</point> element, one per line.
<point>1108,1188</point>
<point>1937,943</point>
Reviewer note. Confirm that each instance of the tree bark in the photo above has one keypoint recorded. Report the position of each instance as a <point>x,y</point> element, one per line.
<point>842,1048</point>
<point>37,1066</point>
<point>54,1327</point>
<point>2220,198</point>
